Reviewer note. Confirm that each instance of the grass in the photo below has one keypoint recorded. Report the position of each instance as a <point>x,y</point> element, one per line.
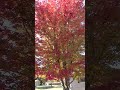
<point>49,88</point>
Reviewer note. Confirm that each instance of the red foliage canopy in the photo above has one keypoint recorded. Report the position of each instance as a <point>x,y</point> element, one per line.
<point>59,28</point>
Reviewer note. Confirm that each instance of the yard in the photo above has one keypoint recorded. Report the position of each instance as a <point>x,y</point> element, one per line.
<point>49,88</point>
<point>75,86</point>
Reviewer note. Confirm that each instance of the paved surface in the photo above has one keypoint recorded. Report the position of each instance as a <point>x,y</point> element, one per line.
<point>78,86</point>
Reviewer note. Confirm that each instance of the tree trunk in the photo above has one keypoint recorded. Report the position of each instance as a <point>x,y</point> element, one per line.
<point>65,88</point>
<point>65,84</point>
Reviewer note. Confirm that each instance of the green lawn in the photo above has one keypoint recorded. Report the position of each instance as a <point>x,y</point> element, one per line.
<point>49,88</point>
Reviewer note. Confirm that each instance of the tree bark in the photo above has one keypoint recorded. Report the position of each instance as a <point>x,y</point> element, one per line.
<point>65,88</point>
<point>65,84</point>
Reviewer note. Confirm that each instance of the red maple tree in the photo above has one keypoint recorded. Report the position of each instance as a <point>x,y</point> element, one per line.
<point>59,39</point>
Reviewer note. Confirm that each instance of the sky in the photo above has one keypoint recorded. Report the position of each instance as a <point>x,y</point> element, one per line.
<point>8,24</point>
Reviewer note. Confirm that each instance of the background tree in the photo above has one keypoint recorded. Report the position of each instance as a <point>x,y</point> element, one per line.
<point>16,44</point>
<point>102,44</point>
<point>59,39</point>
